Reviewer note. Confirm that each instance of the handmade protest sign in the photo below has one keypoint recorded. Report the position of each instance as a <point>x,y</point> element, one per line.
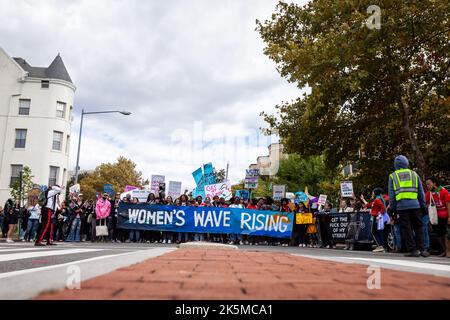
<point>279,192</point>
<point>322,199</point>
<point>174,189</point>
<point>222,190</point>
<point>205,220</point>
<point>303,218</point>
<point>346,189</point>
<point>75,188</point>
<point>156,180</point>
<point>129,188</point>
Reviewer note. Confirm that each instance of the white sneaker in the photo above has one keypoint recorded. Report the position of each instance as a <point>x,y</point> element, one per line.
<point>164,242</point>
<point>231,242</point>
<point>9,241</point>
<point>378,249</point>
<point>169,241</point>
<point>241,243</point>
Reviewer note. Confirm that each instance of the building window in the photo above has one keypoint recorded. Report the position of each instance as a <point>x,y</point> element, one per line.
<point>60,109</point>
<point>64,177</point>
<point>21,137</point>
<point>45,84</point>
<point>70,113</point>
<point>53,178</point>
<point>68,144</point>
<point>24,107</point>
<point>15,173</point>
<point>57,140</point>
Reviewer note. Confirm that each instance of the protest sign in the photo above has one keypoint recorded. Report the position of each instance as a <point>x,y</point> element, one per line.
<point>243,194</point>
<point>251,178</point>
<point>222,190</point>
<point>210,176</point>
<point>156,180</point>
<point>75,188</point>
<point>200,181</point>
<point>142,195</point>
<point>346,189</point>
<point>174,189</point>
<point>109,189</point>
<point>322,199</point>
<point>279,192</point>
<point>303,218</point>
<point>129,188</point>
<point>353,227</point>
<point>205,220</point>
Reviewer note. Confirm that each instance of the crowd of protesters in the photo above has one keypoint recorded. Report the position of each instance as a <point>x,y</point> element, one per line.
<point>78,220</point>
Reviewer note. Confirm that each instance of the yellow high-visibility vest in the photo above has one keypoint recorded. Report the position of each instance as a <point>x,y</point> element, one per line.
<point>406,184</point>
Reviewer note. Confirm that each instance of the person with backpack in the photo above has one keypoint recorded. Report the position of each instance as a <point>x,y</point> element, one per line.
<point>47,200</point>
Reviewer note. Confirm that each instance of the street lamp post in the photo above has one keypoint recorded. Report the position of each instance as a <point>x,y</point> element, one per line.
<point>126,113</point>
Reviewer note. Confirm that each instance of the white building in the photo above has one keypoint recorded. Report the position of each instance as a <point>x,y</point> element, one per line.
<point>268,165</point>
<point>35,121</point>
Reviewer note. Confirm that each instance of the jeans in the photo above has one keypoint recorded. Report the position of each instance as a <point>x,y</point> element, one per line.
<point>199,237</point>
<point>74,234</point>
<point>235,237</point>
<point>134,235</point>
<point>426,235</point>
<point>182,235</point>
<point>31,229</point>
<point>397,236</point>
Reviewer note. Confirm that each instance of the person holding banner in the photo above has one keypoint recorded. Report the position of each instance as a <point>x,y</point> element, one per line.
<point>167,237</point>
<point>235,203</point>
<point>183,201</point>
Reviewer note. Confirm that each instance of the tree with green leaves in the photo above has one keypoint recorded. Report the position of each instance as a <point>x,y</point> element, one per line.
<point>19,192</point>
<point>118,174</point>
<point>374,92</point>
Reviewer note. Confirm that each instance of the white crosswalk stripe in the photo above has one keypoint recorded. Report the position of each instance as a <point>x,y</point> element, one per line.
<point>40,253</point>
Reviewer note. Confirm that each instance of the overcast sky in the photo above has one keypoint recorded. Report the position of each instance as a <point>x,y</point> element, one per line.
<point>193,74</point>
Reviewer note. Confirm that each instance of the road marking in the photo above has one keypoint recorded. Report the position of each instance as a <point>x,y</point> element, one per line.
<point>22,249</point>
<point>396,264</point>
<point>413,264</point>
<point>26,255</point>
<point>155,252</point>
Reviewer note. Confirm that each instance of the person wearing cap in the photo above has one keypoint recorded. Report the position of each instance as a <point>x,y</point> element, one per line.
<point>407,199</point>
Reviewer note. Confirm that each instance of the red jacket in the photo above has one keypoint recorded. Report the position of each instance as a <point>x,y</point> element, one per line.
<point>377,207</point>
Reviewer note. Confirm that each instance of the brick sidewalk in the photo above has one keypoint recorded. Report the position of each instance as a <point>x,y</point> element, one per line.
<point>217,274</point>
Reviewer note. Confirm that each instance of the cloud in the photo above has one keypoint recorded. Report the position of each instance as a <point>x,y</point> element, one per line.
<point>178,66</point>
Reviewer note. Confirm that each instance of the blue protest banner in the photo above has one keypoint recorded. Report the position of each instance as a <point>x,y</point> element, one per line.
<point>205,220</point>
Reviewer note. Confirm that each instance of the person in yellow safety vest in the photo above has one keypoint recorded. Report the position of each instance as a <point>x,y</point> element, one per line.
<point>407,200</point>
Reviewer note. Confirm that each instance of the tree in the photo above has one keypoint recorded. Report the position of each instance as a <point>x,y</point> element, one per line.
<point>119,174</point>
<point>375,93</point>
<point>297,173</point>
<point>27,184</point>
